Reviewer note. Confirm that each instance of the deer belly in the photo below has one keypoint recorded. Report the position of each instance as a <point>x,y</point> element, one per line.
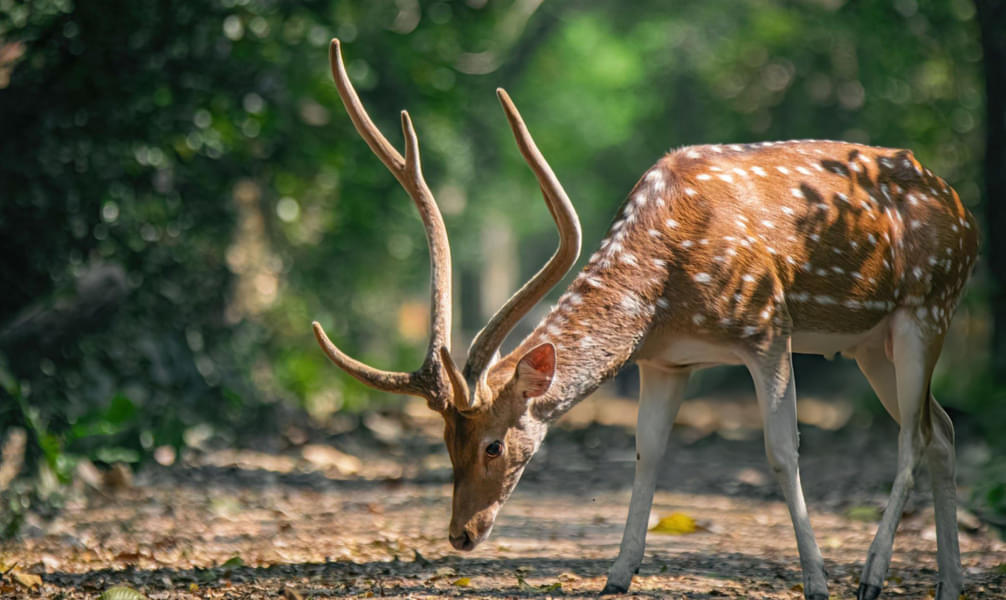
<point>828,344</point>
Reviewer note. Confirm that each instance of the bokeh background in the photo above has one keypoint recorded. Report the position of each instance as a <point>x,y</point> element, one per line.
<point>181,192</point>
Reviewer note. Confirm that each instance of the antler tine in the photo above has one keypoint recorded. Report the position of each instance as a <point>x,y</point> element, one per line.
<point>388,381</point>
<point>489,339</point>
<point>358,114</point>
<point>427,381</point>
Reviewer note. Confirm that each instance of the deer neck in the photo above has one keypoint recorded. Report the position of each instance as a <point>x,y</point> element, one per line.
<point>598,324</point>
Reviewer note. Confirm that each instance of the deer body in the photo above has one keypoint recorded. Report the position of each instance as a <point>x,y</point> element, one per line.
<point>739,254</point>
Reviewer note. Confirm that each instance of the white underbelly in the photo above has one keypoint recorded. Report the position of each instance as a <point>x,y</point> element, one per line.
<point>681,352</point>
<point>829,344</point>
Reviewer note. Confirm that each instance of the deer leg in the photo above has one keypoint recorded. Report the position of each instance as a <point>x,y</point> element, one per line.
<point>942,472</point>
<point>913,366</point>
<point>776,390</point>
<point>660,396</point>
<point>940,458</point>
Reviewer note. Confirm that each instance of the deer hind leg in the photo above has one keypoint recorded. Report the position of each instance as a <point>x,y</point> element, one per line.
<point>776,390</point>
<point>660,396</point>
<point>880,372</point>
<point>914,354</point>
<point>942,470</point>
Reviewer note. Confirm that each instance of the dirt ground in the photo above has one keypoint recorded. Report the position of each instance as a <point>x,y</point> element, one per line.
<point>363,513</point>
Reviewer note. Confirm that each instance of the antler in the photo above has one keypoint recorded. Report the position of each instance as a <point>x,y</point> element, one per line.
<point>428,381</point>
<point>489,339</point>
<point>439,379</point>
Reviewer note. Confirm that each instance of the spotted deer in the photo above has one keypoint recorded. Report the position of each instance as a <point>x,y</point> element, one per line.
<point>722,254</point>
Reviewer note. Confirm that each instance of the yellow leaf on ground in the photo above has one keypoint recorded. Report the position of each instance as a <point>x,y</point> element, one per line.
<point>463,582</point>
<point>121,592</point>
<point>676,523</point>
<point>27,580</point>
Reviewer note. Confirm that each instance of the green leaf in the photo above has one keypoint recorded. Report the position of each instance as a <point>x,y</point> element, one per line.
<point>117,454</point>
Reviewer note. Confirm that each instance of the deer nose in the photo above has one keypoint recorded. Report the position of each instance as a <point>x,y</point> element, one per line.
<point>462,542</point>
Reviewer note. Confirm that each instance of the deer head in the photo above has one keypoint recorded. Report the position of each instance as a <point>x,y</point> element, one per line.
<point>490,430</point>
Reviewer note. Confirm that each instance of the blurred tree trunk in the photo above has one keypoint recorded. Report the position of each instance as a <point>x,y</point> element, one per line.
<point>992,20</point>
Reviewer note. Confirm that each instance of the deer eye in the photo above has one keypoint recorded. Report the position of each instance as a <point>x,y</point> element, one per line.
<point>494,449</point>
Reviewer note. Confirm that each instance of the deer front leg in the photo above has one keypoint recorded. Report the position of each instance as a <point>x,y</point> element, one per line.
<point>660,396</point>
<point>776,390</point>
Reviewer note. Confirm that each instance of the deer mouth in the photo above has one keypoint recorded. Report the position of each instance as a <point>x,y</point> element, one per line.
<point>467,539</point>
<point>463,542</point>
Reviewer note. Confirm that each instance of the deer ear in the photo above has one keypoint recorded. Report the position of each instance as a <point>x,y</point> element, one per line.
<point>535,371</point>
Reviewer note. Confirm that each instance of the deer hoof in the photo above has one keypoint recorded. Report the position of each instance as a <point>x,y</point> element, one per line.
<point>868,592</point>
<point>611,588</point>
<point>817,597</point>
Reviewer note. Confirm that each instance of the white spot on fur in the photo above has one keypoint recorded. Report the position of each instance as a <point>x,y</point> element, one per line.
<point>630,304</point>
<point>702,277</point>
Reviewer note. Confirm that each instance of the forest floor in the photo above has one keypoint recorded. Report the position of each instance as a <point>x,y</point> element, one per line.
<point>363,513</point>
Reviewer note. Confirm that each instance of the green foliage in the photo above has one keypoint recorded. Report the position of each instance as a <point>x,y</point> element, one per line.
<point>182,192</point>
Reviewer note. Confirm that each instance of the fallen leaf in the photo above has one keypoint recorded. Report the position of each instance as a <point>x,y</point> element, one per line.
<point>233,562</point>
<point>28,580</point>
<point>445,572</point>
<point>463,582</point>
<point>524,585</point>
<point>676,523</point>
<point>864,513</point>
<point>129,557</point>
<point>121,592</point>
<point>527,587</point>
